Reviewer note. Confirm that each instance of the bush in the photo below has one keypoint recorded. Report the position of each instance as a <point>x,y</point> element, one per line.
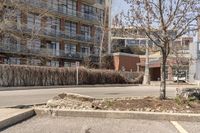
<point>18,75</point>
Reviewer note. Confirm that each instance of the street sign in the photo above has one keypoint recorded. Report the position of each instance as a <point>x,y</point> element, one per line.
<point>77,64</point>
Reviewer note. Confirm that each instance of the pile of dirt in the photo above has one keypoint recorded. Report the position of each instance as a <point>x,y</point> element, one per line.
<point>148,104</point>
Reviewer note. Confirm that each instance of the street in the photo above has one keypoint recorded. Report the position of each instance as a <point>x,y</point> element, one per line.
<point>37,96</point>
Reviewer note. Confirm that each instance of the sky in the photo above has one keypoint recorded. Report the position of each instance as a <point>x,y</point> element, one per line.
<point>118,6</point>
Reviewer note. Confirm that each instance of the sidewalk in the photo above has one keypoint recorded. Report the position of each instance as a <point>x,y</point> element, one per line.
<point>9,116</point>
<point>64,86</point>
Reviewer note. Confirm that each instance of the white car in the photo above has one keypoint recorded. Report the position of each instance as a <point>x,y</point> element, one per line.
<point>183,79</point>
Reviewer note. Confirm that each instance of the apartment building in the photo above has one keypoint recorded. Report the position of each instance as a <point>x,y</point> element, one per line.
<point>51,32</point>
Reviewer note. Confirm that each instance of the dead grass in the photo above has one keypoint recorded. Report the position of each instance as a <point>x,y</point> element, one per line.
<point>19,75</point>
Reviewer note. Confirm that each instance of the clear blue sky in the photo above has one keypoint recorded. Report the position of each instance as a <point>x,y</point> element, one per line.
<point>118,6</point>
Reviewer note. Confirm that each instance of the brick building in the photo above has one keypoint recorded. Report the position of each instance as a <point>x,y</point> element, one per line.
<point>52,32</point>
<point>130,62</point>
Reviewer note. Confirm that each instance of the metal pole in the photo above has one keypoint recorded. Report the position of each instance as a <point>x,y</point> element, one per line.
<point>77,67</point>
<point>76,75</point>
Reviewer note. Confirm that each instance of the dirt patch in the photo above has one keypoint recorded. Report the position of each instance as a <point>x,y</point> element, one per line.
<point>148,104</point>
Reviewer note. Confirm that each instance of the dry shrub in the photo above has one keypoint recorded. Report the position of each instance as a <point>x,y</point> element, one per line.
<point>19,75</point>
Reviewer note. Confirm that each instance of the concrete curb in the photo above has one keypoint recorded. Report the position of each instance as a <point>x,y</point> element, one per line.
<point>120,114</point>
<point>67,86</point>
<point>16,118</point>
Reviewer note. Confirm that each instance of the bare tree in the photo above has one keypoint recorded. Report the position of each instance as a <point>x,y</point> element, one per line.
<point>163,21</point>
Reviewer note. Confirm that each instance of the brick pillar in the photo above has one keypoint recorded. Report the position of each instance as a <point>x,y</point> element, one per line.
<point>23,18</point>
<point>78,47</point>
<point>62,45</point>
<point>78,28</point>
<point>62,24</point>
<point>43,22</point>
<point>79,5</point>
<point>93,29</point>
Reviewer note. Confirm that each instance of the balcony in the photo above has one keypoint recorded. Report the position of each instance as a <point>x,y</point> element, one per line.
<point>91,2</point>
<point>61,11</point>
<point>51,33</point>
<point>11,48</point>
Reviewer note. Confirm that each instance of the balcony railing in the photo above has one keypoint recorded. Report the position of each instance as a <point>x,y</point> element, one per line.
<point>51,32</point>
<point>43,52</point>
<point>59,9</point>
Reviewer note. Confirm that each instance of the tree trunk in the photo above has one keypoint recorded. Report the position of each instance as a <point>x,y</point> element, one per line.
<point>163,77</point>
<point>146,79</point>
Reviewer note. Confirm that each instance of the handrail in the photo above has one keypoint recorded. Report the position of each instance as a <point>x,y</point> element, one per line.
<point>24,49</point>
<point>55,8</point>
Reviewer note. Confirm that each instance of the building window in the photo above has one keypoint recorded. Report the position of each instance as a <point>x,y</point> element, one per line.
<point>33,22</point>
<point>53,25</point>
<point>87,11</point>
<point>71,7</point>
<point>100,2</point>
<point>98,34</point>
<point>34,62</point>
<point>53,4</point>
<point>69,64</point>
<point>96,51</point>
<point>86,32</point>
<point>12,15</point>
<point>53,48</point>
<point>53,63</point>
<point>70,28</point>
<point>70,49</point>
<point>100,14</point>
<point>10,43</point>
<point>34,44</point>
<point>12,60</point>
<point>62,6</point>
<point>85,51</point>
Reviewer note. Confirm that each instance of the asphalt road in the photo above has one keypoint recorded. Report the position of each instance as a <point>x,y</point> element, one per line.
<point>37,96</point>
<point>100,125</point>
